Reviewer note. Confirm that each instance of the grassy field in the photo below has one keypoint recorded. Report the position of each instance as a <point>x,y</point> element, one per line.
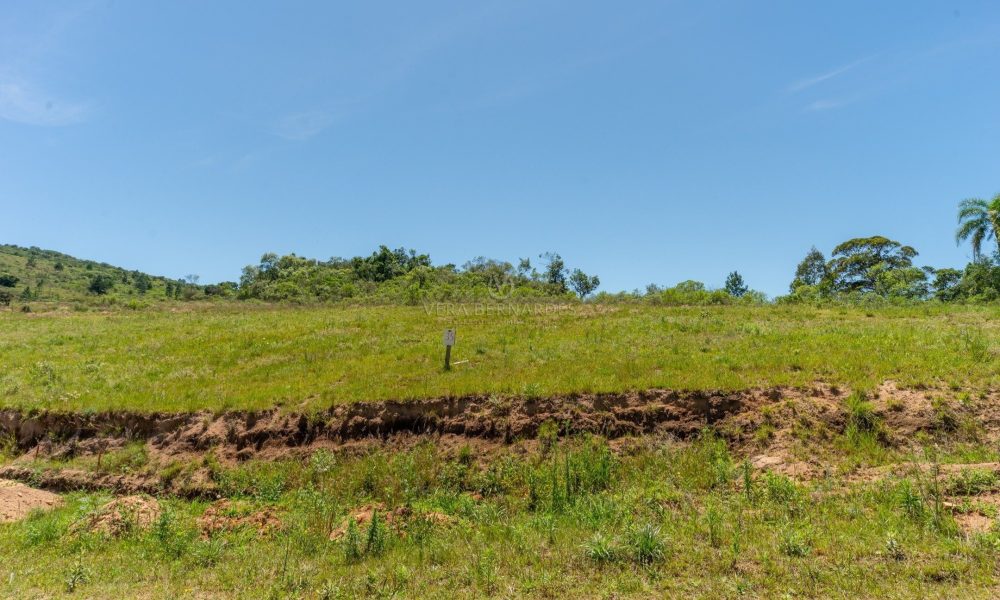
<point>571,519</point>
<point>872,513</point>
<point>249,357</point>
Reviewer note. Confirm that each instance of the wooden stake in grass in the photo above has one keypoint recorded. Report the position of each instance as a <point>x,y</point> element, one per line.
<point>449,341</point>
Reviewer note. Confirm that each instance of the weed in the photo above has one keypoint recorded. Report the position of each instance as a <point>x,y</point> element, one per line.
<point>910,501</point>
<point>548,436</point>
<point>600,549</point>
<point>378,536</point>
<point>171,540</point>
<point>713,518</point>
<point>76,576</point>
<point>646,545</point>
<point>794,543</point>
<point>748,487</point>
<point>484,570</point>
<point>861,415</point>
<point>894,549</point>
<point>206,553</point>
<point>352,542</point>
<point>781,489</point>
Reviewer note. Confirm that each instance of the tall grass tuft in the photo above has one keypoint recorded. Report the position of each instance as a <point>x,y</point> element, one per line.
<point>647,545</point>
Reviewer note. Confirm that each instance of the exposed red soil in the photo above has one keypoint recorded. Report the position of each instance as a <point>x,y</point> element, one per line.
<point>18,500</point>
<point>227,515</point>
<point>396,519</point>
<point>779,429</point>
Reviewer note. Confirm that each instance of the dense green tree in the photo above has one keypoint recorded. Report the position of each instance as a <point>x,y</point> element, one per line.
<point>555,271</point>
<point>980,281</point>
<point>978,221</point>
<point>856,263</point>
<point>498,276</point>
<point>100,284</point>
<point>945,285</point>
<point>8,280</point>
<point>582,283</point>
<point>905,282</point>
<point>811,271</point>
<point>142,283</point>
<point>385,264</point>
<point>735,286</point>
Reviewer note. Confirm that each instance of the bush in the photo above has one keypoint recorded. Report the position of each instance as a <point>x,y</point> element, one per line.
<point>100,284</point>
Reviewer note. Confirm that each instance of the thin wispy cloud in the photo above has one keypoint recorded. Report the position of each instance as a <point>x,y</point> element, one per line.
<point>821,105</point>
<point>809,82</point>
<point>22,102</point>
<point>304,125</point>
<point>833,103</point>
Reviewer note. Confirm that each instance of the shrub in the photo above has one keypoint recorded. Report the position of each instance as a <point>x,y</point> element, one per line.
<point>100,284</point>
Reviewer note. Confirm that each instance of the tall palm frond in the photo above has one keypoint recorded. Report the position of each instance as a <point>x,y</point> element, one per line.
<point>978,221</point>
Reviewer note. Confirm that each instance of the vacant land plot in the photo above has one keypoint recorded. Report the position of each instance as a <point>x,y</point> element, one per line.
<point>573,451</point>
<point>306,359</point>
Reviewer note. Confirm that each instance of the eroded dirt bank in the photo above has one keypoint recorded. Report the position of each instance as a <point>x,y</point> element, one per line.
<point>768,418</point>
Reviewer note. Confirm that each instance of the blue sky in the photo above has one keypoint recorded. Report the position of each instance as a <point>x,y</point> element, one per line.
<point>644,141</point>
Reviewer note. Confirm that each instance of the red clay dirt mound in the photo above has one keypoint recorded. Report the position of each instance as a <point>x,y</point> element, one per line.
<point>228,515</point>
<point>18,500</point>
<point>396,518</point>
<point>123,515</point>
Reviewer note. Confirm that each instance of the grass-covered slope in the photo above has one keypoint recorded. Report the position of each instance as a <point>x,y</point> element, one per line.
<point>48,275</point>
<point>567,519</point>
<point>240,357</point>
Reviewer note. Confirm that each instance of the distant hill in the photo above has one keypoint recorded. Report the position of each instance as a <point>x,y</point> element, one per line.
<point>34,274</point>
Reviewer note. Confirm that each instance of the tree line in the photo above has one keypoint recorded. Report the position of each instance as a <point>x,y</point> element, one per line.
<point>858,269</point>
<point>883,267</point>
<point>404,275</point>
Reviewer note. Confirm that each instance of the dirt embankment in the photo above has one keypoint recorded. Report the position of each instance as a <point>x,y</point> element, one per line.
<point>741,416</point>
<point>244,434</point>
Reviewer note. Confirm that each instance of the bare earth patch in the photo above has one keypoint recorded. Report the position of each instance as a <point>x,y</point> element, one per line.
<point>228,515</point>
<point>18,500</point>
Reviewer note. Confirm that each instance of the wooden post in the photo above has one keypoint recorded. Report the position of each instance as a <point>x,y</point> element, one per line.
<point>449,341</point>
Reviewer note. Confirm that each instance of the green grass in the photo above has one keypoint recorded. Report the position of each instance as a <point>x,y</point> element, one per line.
<point>649,523</point>
<point>250,356</point>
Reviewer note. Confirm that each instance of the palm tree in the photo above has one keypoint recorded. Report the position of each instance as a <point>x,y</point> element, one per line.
<point>978,221</point>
